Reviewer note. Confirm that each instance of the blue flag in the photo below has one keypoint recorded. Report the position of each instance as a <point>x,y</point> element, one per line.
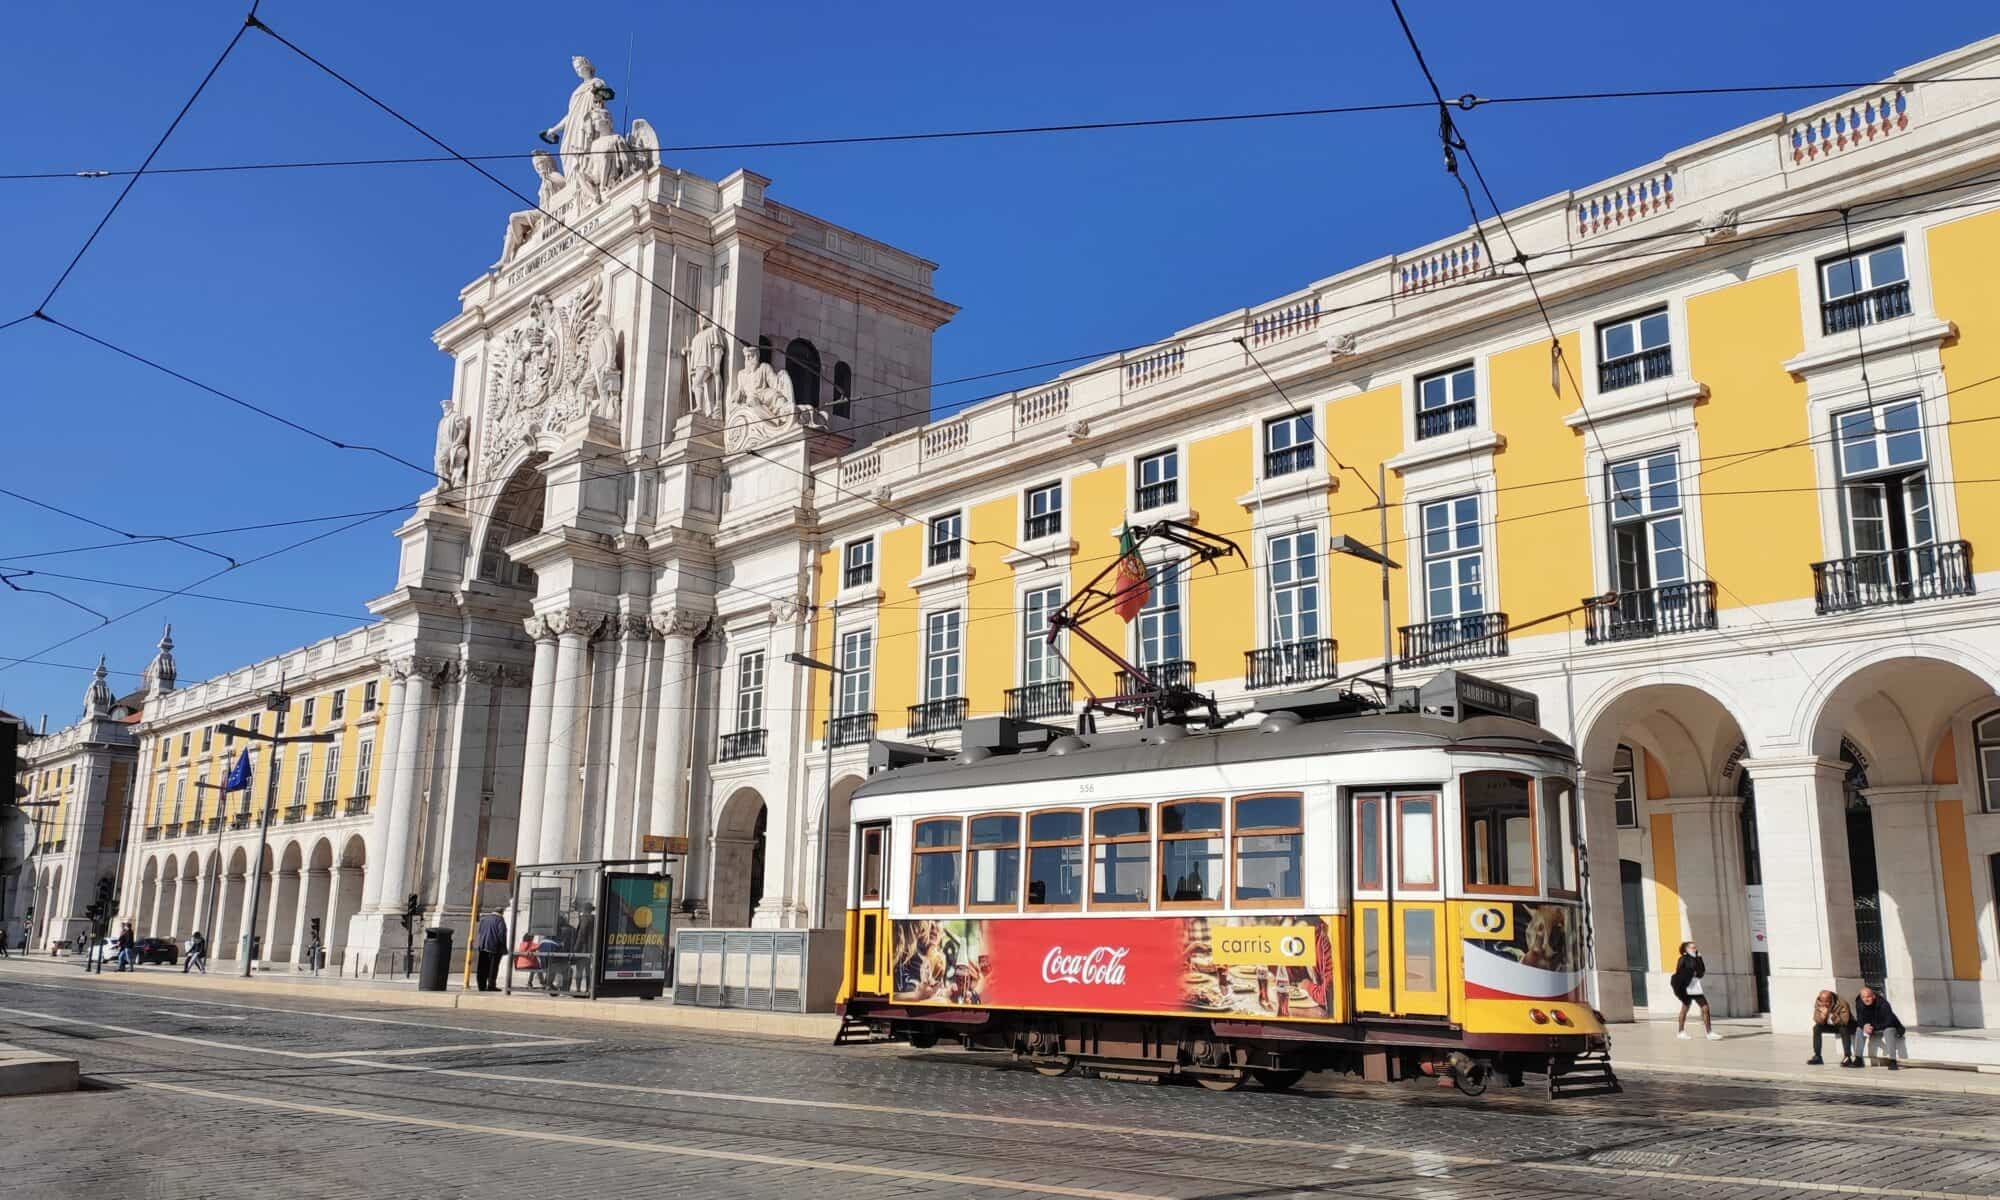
<point>239,775</point>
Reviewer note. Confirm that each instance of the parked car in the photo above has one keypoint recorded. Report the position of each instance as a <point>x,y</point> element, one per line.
<point>157,950</point>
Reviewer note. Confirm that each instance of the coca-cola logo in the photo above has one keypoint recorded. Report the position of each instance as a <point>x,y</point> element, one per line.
<point>1103,965</point>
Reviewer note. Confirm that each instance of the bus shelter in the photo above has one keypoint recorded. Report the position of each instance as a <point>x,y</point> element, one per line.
<point>599,928</point>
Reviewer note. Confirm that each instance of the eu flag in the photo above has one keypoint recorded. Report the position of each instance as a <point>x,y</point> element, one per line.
<point>239,775</point>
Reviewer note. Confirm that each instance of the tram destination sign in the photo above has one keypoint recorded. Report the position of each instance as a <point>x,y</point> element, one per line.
<point>1468,696</point>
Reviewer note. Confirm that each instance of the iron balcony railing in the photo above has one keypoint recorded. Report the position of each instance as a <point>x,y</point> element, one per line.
<point>294,812</point>
<point>240,821</point>
<point>1293,662</point>
<point>1436,422</point>
<point>1657,363</point>
<point>1175,673</point>
<point>1865,308</point>
<point>1043,525</point>
<point>1288,460</point>
<point>215,824</point>
<point>1649,612</point>
<point>193,827</point>
<point>170,831</point>
<point>946,551</point>
<point>1893,577</point>
<point>1156,495</point>
<point>323,810</point>
<point>857,576</point>
<point>1453,639</point>
<point>744,743</point>
<point>357,806</point>
<point>1038,700</point>
<point>152,833</point>
<point>854,729</point>
<point>937,716</point>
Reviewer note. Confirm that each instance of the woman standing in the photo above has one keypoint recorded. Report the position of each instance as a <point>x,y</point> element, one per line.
<point>1688,989</point>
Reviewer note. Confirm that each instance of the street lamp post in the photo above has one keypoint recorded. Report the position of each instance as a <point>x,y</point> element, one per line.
<point>833,674</point>
<point>276,702</point>
<point>1340,543</point>
<point>215,890</point>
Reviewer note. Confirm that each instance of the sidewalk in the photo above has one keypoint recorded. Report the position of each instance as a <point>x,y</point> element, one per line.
<point>1750,1051</point>
<point>224,978</point>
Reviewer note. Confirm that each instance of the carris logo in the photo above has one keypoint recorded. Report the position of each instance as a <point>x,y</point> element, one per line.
<point>1102,965</point>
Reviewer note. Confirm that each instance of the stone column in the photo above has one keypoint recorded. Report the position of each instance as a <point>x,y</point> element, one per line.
<point>1808,889</point>
<point>301,909</point>
<point>1607,902</point>
<point>469,720</point>
<point>152,910</point>
<point>630,700</point>
<point>388,750</point>
<point>273,891</point>
<point>677,629</point>
<point>1916,940</point>
<point>574,628</point>
<point>333,874</point>
<point>535,752</point>
<point>1708,861</point>
<point>410,773</point>
<point>246,920</point>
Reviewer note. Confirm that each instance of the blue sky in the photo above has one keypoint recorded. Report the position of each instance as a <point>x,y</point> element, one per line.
<point>314,293</point>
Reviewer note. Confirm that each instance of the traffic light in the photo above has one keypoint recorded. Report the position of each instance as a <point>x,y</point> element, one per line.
<point>412,909</point>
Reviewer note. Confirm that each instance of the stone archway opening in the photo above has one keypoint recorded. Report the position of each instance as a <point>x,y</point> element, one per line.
<point>741,834</point>
<point>229,910</point>
<point>1900,892</point>
<point>517,514</point>
<point>149,894</point>
<point>1664,835</point>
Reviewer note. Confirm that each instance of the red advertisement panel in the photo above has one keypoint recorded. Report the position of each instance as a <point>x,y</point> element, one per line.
<point>1213,966</point>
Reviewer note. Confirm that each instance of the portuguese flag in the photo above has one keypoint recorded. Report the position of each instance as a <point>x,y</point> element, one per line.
<point>1133,588</point>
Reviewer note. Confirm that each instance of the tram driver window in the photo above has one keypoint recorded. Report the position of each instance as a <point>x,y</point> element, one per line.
<point>934,869</point>
<point>1191,866</point>
<point>1270,845</point>
<point>1055,859</point>
<point>1121,852</point>
<point>1499,833</point>
<point>993,862</point>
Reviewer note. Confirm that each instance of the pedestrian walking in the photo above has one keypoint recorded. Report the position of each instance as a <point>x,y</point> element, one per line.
<point>489,942</point>
<point>1832,1015</point>
<point>197,953</point>
<point>1874,1019</point>
<point>1689,990</point>
<point>128,945</point>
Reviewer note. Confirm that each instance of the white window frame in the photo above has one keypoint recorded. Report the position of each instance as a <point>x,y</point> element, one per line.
<point>1291,422</point>
<point>336,708</point>
<point>1986,762</point>
<point>1038,662</point>
<point>1643,508</point>
<point>1448,378</point>
<point>1863,257</point>
<point>1455,554</point>
<point>330,774</point>
<point>1176,477</point>
<point>364,762</point>
<point>858,554</point>
<point>951,523</point>
<point>1283,580</point>
<point>857,672</point>
<point>750,684</point>
<point>1042,500</point>
<point>940,649</point>
<point>1637,323</point>
<point>1146,627</point>
<point>302,776</point>
<point>1625,771</point>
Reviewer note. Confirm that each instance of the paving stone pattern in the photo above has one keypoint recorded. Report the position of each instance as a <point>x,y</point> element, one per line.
<point>438,1123</point>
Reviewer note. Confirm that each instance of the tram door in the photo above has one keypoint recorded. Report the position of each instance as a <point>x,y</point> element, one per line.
<point>1398,905</point>
<point>871,940</point>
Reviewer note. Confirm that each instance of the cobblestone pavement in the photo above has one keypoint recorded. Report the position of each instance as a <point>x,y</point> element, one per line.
<point>192,1097</point>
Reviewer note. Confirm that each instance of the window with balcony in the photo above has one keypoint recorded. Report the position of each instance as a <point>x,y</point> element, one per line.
<point>947,538</point>
<point>1162,626</point>
<point>1043,509</point>
<point>1294,651</point>
<point>1044,690</point>
<point>368,697</point>
<point>306,714</point>
<point>1651,592</point>
<point>750,691</point>
<point>857,563</point>
<point>1456,625</point>
<point>1288,444</point>
<point>943,662</point>
<point>1157,481</point>
<point>330,775</point>
<point>1633,350</point>
<point>857,671</point>
<point>336,708</point>
<point>304,773</point>
<point>1864,287</point>
<point>1447,401</point>
<point>1893,554</point>
<point>364,766</point>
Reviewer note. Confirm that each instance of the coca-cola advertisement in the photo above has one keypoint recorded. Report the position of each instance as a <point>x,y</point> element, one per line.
<point>1254,966</point>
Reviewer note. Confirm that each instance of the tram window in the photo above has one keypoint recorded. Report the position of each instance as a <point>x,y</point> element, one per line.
<point>1055,859</point>
<point>1416,842</point>
<point>1499,833</point>
<point>1121,852</point>
<point>1191,864</point>
<point>1368,841</point>
<point>993,862</point>
<point>1558,835</point>
<point>871,864</point>
<point>934,871</point>
<point>1270,845</point>
<point>1419,950</point>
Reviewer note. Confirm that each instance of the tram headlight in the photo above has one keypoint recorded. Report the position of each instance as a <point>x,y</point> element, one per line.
<point>1538,1016</point>
<point>1562,1018</point>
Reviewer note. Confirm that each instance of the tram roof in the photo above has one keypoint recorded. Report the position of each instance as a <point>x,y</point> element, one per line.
<point>995,757</point>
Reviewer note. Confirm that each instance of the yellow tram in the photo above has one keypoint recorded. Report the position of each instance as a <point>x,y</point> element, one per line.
<point>1329,885</point>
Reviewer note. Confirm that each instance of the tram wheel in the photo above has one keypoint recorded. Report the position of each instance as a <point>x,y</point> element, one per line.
<point>1469,1076</point>
<point>922,1038</point>
<point>1055,1070</point>
<point>1223,1083</point>
<point>1277,1080</point>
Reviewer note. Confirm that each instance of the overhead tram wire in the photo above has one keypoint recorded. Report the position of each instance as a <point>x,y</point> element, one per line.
<point>1452,141</point>
<point>124,533</point>
<point>1465,103</point>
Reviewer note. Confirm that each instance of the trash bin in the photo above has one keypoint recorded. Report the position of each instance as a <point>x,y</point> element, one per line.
<point>436,966</point>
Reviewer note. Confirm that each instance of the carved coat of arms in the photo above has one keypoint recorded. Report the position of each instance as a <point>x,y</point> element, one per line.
<point>562,362</point>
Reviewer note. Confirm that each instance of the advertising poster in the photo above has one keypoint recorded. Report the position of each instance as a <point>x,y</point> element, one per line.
<point>1200,966</point>
<point>637,912</point>
<point>1522,951</point>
